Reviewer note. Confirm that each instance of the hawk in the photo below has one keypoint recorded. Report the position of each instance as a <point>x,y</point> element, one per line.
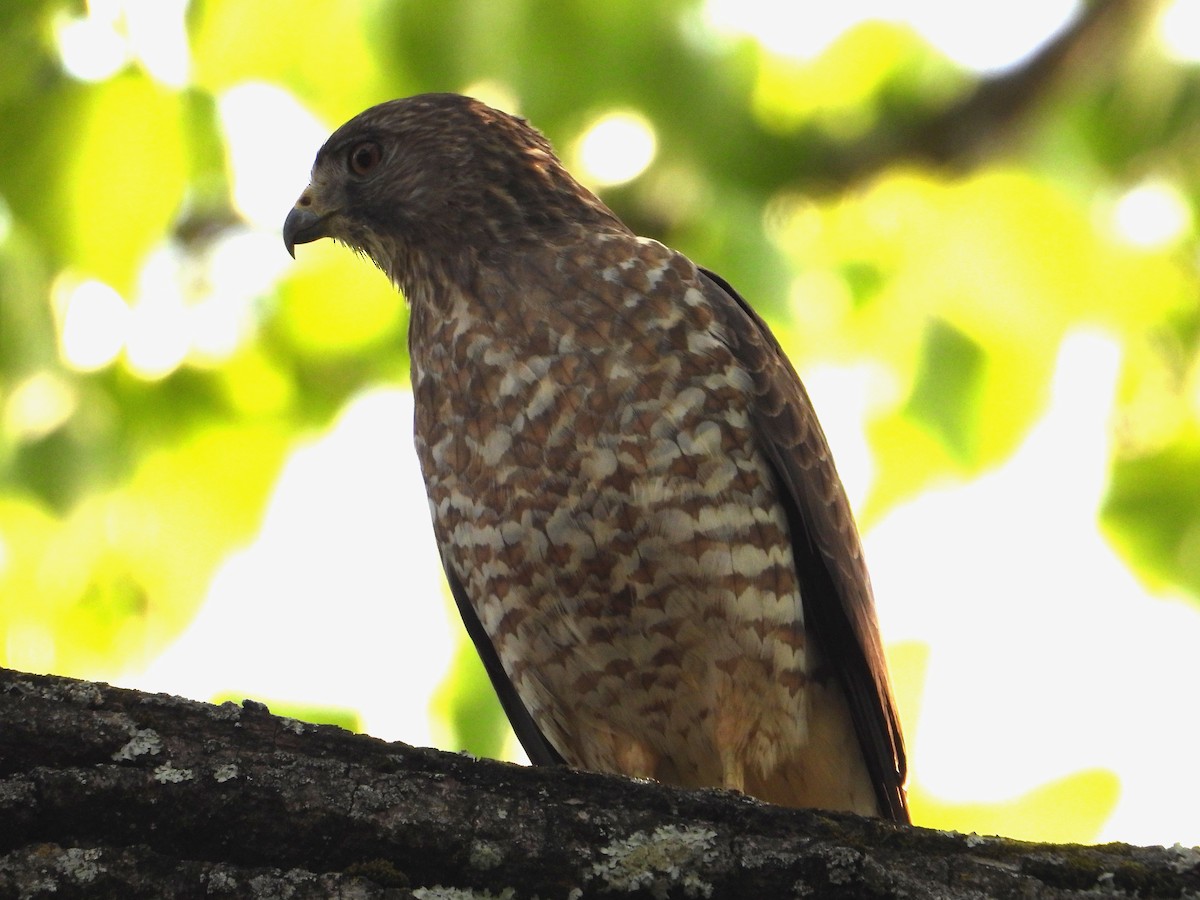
<point>636,508</point>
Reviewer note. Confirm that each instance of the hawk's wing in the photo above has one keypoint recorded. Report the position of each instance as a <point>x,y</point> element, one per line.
<point>537,748</point>
<point>835,587</point>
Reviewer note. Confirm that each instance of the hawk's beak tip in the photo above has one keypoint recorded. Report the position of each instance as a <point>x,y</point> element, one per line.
<point>300,227</point>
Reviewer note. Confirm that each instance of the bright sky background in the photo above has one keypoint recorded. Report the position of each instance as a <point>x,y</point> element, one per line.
<point>1003,577</point>
<point>1047,656</point>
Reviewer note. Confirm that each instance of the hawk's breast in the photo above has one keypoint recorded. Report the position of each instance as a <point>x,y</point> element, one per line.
<point>595,483</point>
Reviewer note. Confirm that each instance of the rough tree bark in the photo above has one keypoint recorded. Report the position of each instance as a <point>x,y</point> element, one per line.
<point>106,792</point>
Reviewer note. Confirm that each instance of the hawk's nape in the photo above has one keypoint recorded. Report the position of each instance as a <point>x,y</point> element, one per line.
<point>636,508</point>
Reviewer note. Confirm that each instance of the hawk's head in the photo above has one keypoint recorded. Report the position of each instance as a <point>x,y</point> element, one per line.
<point>432,183</point>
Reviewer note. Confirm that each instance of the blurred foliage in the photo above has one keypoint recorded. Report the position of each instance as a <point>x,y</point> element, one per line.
<point>829,191</point>
<point>470,703</point>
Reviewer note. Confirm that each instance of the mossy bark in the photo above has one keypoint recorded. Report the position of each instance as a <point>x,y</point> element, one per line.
<point>106,792</point>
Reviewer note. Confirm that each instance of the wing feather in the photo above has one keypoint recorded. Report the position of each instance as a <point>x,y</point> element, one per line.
<point>537,747</point>
<point>836,590</point>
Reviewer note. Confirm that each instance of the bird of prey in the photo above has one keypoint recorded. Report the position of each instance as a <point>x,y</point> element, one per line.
<point>635,505</point>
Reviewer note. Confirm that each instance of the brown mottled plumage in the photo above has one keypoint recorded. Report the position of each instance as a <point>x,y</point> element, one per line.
<point>636,507</point>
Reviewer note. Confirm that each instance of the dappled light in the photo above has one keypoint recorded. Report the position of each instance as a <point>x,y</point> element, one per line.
<point>1179,30</point>
<point>616,148</point>
<point>271,139</point>
<point>92,322</point>
<point>1152,214</point>
<point>112,33</point>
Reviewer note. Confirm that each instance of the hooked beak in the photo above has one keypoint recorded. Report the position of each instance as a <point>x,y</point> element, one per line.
<point>304,224</point>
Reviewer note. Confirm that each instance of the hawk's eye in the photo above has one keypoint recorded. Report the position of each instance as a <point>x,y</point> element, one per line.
<point>365,157</point>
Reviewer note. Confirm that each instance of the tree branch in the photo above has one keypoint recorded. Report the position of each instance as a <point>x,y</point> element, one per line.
<point>110,792</point>
<point>984,121</point>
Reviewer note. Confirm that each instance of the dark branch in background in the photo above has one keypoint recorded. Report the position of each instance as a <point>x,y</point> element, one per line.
<point>1088,56</point>
<point>111,793</point>
<point>987,119</point>
<point>1090,46</point>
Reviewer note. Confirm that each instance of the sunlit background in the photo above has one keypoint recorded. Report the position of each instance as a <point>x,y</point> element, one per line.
<point>207,484</point>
